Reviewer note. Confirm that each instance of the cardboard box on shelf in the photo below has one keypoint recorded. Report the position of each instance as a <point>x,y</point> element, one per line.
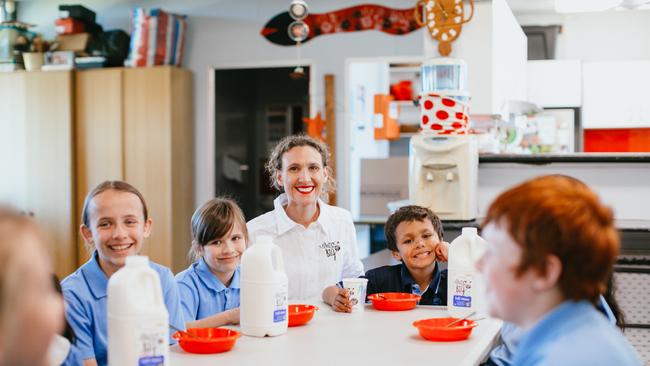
<point>73,42</point>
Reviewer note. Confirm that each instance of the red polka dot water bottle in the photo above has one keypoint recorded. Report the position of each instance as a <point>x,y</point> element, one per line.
<point>444,100</point>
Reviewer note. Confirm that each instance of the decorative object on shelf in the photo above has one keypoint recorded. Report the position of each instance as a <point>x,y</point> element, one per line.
<point>158,38</point>
<point>444,19</point>
<point>58,60</point>
<point>402,90</point>
<point>33,61</point>
<point>386,126</point>
<point>315,126</point>
<point>15,38</point>
<point>352,19</point>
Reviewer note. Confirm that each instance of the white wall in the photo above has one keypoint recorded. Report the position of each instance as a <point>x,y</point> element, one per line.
<point>217,42</point>
<point>214,41</point>
<point>600,36</point>
<point>494,48</point>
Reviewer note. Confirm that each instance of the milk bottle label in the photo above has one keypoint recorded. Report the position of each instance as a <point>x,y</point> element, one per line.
<point>462,291</point>
<point>281,301</point>
<point>152,343</point>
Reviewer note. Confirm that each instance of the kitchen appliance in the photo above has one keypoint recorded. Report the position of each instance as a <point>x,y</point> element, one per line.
<point>443,157</point>
<point>443,175</point>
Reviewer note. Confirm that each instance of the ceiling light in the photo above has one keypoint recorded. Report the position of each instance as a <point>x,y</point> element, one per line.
<point>581,6</point>
<point>298,31</point>
<point>298,9</point>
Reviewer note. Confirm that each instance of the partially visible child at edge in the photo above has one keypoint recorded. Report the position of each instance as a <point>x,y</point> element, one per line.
<point>209,287</point>
<point>414,235</point>
<point>115,224</point>
<point>31,312</point>
<point>502,354</point>
<point>61,351</point>
<point>552,246</point>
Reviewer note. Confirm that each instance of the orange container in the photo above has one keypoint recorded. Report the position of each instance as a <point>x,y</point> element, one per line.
<point>301,314</point>
<point>210,340</point>
<point>69,26</point>
<point>436,329</point>
<point>394,301</point>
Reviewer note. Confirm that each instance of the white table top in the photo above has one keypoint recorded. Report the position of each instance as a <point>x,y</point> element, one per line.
<point>366,338</point>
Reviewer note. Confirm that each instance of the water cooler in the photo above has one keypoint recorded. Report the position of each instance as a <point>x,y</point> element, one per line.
<point>443,157</point>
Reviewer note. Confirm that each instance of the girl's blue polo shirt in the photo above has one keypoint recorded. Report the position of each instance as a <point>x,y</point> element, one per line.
<point>202,294</point>
<point>85,293</point>
<point>575,333</point>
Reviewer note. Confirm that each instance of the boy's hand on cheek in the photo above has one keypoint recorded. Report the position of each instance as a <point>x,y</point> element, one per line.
<point>442,251</point>
<point>341,302</point>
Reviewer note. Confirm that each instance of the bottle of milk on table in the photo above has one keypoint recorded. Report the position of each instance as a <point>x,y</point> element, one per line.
<point>138,321</point>
<point>263,308</point>
<point>465,289</point>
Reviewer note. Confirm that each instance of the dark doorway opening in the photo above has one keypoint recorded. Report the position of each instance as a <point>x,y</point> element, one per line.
<point>254,109</point>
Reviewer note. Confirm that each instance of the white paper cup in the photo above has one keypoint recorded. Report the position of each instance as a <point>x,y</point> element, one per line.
<point>357,291</point>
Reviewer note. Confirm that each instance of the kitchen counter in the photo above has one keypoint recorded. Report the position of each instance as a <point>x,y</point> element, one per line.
<point>566,158</point>
<point>635,234</point>
<point>640,226</point>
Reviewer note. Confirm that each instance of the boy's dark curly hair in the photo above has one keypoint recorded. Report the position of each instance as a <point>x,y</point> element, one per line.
<point>410,213</point>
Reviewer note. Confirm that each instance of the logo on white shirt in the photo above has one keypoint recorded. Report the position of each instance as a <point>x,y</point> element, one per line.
<point>331,248</point>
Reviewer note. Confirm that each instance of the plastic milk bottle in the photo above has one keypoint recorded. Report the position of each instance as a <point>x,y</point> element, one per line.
<point>263,308</point>
<point>465,289</point>
<point>138,322</point>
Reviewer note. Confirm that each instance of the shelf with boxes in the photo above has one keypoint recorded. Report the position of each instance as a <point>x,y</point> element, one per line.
<point>398,112</point>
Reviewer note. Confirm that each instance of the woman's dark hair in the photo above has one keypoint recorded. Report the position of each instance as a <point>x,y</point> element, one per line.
<point>274,164</point>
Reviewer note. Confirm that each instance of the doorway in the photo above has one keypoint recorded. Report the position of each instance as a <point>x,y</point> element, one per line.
<point>253,109</point>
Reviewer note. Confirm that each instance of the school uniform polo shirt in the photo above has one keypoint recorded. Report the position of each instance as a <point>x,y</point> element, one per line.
<point>202,294</point>
<point>574,333</point>
<point>397,278</point>
<point>314,257</point>
<point>85,294</point>
<point>510,335</point>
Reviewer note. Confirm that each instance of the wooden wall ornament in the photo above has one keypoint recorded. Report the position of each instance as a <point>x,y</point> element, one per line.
<point>444,20</point>
<point>315,126</point>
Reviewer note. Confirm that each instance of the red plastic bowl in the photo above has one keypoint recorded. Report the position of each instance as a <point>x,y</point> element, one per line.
<point>436,329</point>
<point>394,301</point>
<point>211,340</point>
<point>301,314</point>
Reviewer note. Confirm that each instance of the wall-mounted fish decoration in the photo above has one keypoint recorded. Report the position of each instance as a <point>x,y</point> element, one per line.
<point>352,19</point>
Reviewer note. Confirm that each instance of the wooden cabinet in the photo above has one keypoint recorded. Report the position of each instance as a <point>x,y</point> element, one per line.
<point>37,156</point>
<point>62,133</point>
<point>138,127</point>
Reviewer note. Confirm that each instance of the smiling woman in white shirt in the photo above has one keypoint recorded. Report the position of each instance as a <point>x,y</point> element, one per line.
<point>318,241</point>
